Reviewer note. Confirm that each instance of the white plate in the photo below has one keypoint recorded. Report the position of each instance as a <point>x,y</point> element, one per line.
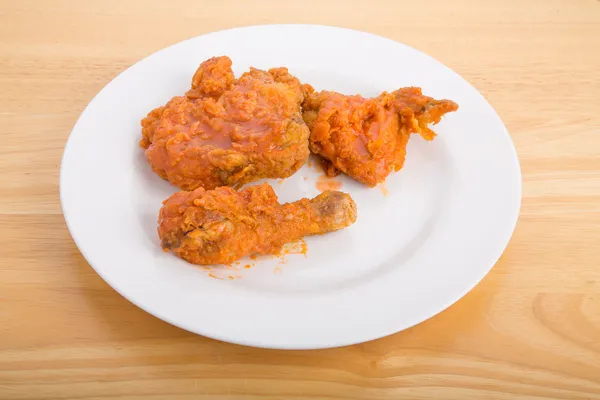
<point>447,217</point>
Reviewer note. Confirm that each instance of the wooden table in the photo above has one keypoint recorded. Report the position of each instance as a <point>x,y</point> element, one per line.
<point>530,330</point>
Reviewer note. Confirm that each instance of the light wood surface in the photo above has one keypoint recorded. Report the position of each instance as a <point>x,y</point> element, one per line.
<point>530,330</point>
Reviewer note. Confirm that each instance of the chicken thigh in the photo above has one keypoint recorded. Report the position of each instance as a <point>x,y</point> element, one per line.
<point>228,131</point>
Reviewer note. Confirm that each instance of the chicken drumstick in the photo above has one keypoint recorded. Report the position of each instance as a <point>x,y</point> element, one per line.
<point>222,225</point>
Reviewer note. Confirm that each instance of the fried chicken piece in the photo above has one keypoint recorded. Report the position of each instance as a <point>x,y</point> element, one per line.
<point>367,138</point>
<point>220,226</point>
<point>228,131</point>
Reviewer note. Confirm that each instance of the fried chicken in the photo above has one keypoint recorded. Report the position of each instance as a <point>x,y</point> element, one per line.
<point>222,225</point>
<point>367,138</point>
<point>228,131</point>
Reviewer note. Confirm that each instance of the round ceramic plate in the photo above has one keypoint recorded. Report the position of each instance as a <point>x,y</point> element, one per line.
<point>420,243</point>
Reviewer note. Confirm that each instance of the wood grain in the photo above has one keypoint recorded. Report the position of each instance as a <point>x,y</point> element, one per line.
<point>530,330</point>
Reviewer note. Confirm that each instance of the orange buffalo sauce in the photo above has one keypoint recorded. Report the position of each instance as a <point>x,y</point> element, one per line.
<point>326,183</point>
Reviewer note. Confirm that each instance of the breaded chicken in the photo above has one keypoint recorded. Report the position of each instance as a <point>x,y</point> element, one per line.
<point>222,225</point>
<point>366,138</point>
<point>228,131</point>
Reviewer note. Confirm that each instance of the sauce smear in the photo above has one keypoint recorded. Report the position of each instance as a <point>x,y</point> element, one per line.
<point>383,189</point>
<point>326,183</point>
